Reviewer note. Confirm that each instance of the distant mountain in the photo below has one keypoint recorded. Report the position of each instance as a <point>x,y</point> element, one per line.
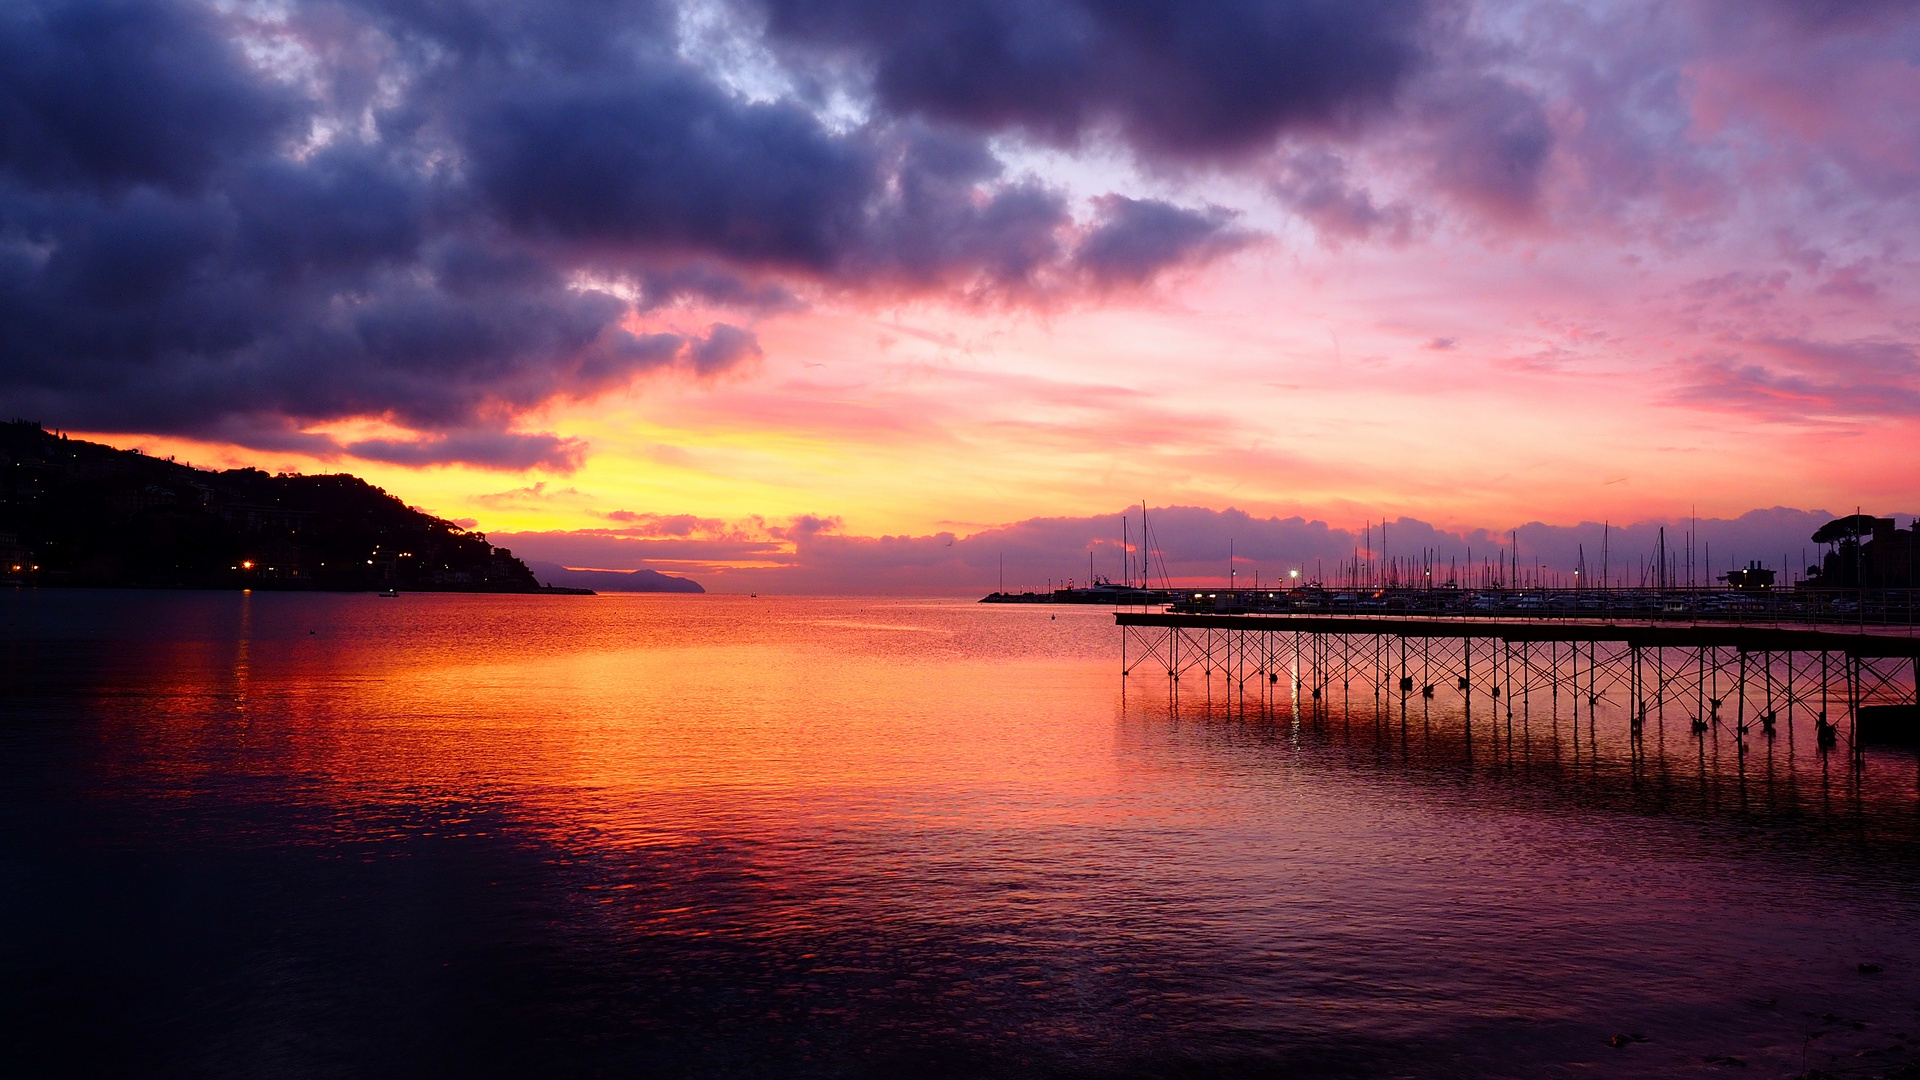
<point>80,513</point>
<point>614,580</point>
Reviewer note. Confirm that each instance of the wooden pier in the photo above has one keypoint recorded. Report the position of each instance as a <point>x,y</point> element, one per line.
<point>1853,685</point>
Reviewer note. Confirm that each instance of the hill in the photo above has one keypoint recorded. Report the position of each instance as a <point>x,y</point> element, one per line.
<point>82,513</point>
<point>615,580</point>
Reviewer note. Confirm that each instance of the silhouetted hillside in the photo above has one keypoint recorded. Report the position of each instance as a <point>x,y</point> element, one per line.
<point>615,580</point>
<point>80,513</point>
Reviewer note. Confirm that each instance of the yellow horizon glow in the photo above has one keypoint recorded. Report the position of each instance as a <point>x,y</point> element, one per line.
<point>1263,386</point>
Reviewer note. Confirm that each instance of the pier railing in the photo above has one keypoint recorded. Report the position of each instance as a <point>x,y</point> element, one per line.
<point>1781,607</point>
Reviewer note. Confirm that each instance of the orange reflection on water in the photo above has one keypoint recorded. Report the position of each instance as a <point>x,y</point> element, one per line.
<point>591,712</point>
<point>923,816</point>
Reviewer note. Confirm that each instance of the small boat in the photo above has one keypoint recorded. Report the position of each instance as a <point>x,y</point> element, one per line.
<point>389,592</point>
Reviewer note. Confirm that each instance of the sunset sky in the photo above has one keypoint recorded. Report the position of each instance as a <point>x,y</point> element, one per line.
<point>740,289</point>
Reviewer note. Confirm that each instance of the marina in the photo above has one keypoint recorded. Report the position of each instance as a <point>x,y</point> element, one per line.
<point>1807,606</point>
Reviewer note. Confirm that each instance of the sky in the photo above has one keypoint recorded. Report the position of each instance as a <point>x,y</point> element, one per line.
<point>850,295</point>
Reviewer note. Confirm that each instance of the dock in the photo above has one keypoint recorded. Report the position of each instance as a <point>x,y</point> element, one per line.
<point>1851,683</point>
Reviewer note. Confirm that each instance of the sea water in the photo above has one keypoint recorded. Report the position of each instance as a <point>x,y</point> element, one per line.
<point>271,834</point>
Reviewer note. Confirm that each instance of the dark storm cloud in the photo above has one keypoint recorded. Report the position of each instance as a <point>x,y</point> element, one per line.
<point>1271,84</point>
<point>665,159</point>
<point>238,223</point>
<point>444,214</point>
<point>1176,78</point>
<point>497,449</point>
<point>122,92</point>
<point>707,283</point>
<point>167,263</point>
<point>1137,238</point>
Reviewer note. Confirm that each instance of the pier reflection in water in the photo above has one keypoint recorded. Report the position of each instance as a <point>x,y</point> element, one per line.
<point>1645,702</point>
<point>718,836</point>
<point>1546,742</point>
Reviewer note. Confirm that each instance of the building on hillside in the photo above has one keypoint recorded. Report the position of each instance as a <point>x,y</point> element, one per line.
<point>266,520</point>
<point>17,564</point>
<point>277,560</point>
<point>1866,552</point>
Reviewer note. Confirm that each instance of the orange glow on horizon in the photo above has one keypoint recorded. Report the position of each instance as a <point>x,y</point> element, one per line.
<point>1265,386</point>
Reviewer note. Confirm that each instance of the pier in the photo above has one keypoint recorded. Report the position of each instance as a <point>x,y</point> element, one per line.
<point>1850,685</point>
<point>1831,608</point>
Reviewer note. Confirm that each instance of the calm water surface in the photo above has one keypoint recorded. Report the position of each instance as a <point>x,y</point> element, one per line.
<point>254,835</point>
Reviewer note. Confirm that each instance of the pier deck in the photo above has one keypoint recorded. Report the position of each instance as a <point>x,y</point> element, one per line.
<point>1742,679</point>
<point>1899,642</point>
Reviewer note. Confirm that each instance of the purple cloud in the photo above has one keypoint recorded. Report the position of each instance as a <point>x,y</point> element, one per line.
<point>1178,79</point>
<point>1136,239</point>
<point>447,215</point>
<point>1315,185</point>
<point>812,555</point>
<point>1794,379</point>
<point>192,241</point>
<point>488,449</point>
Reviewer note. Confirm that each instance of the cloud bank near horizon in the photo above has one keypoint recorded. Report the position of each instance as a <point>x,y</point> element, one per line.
<point>812,555</point>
